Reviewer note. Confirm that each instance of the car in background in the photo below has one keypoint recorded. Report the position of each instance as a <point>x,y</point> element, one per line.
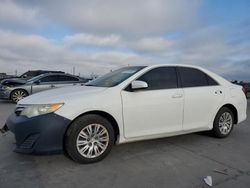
<point>4,76</point>
<point>16,90</point>
<point>245,88</point>
<point>30,74</point>
<point>130,104</point>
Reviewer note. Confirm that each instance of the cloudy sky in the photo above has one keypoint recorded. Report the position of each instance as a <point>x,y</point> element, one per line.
<point>97,35</point>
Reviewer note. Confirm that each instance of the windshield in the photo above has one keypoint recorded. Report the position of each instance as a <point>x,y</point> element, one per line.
<point>116,77</point>
<point>35,78</point>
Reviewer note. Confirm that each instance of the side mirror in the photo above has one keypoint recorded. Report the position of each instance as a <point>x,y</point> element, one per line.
<point>137,84</point>
<point>37,82</point>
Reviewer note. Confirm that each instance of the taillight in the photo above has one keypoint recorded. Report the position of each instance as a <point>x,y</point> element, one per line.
<point>244,90</point>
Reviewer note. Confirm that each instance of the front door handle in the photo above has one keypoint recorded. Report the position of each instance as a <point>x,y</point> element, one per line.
<point>177,95</point>
<point>52,86</point>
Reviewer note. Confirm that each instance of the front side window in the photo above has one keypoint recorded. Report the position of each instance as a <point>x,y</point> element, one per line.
<point>116,77</point>
<point>160,78</point>
<point>191,77</point>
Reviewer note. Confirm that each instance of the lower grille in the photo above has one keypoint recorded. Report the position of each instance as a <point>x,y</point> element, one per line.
<point>29,142</point>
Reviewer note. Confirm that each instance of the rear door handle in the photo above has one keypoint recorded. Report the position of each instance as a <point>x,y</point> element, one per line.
<point>52,86</point>
<point>218,92</point>
<point>177,95</point>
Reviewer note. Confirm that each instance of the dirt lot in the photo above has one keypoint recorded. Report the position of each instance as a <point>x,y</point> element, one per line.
<point>181,161</point>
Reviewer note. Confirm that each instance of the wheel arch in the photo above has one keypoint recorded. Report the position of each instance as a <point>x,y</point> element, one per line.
<point>233,109</point>
<point>104,114</point>
<point>18,89</point>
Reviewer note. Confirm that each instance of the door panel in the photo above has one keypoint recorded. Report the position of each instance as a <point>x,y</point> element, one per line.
<point>158,109</point>
<point>62,84</point>
<point>40,87</point>
<point>65,80</point>
<point>203,97</point>
<point>152,112</point>
<point>200,106</point>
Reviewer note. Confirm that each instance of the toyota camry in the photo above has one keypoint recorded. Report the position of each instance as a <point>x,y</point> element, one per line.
<point>130,104</point>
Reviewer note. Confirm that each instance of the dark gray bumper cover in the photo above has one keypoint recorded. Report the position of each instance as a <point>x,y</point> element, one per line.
<point>39,135</point>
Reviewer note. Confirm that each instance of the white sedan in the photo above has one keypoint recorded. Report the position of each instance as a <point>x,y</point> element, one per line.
<point>130,104</point>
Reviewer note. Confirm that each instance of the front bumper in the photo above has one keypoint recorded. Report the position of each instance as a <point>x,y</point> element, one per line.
<point>4,94</point>
<point>39,135</point>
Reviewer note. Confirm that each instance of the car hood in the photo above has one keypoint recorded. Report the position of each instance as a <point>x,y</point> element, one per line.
<point>13,82</point>
<point>62,95</point>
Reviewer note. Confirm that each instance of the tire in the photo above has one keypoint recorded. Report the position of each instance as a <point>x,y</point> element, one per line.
<point>18,94</point>
<point>223,128</point>
<point>86,146</point>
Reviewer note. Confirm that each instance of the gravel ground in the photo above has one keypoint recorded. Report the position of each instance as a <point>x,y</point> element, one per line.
<point>181,161</point>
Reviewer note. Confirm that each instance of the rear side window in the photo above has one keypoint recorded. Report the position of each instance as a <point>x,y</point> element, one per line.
<point>211,81</point>
<point>51,78</point>
<point>160,78</point>
<point>191,77</point>
<point>64,78</point>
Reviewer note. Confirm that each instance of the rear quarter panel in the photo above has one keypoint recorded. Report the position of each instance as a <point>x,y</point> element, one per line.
<point>237,98</point>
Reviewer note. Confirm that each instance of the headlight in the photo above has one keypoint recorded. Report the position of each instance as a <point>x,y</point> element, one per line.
<point>40,109</point>
<point>5,87</point>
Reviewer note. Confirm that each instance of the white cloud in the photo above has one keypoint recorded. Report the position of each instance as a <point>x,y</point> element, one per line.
<point>130,17</point>
<point>23,52</point>
<point>92,40</point>
<point>115,33</point>
<point>155,44</point>
<point>12,14</point>
<point>146,44</point>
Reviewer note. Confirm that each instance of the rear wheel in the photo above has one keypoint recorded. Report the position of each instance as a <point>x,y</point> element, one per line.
<point>223,123</point>
<point>89,139</point>
<point>18,94</point>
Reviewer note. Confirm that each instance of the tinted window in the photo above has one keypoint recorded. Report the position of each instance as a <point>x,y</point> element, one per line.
<point>64,78</point>
<point>29,74</point>
<point>52,78</point>
<point>191,77</point>
<point>211,81</point>
<point>160,78</point>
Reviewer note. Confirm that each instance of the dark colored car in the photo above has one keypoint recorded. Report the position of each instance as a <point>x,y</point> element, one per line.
<point>4,76</point>
<point>30,74</point>
<point>247,89</point>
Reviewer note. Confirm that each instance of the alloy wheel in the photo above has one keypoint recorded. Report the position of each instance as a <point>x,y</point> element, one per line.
<point>18,95</point>
<point>225,123</point>
<point>92,141</point>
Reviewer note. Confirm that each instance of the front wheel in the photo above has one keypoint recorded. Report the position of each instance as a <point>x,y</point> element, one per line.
<point>223,123</point>
<point>89,139</point>
<point>18,95</point>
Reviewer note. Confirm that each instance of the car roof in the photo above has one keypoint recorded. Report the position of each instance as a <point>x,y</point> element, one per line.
<point>174,65</point>
<point>51,73</point>
<point>43,71</point>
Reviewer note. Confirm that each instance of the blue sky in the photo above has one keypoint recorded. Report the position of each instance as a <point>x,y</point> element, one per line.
<point>97,36</point>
